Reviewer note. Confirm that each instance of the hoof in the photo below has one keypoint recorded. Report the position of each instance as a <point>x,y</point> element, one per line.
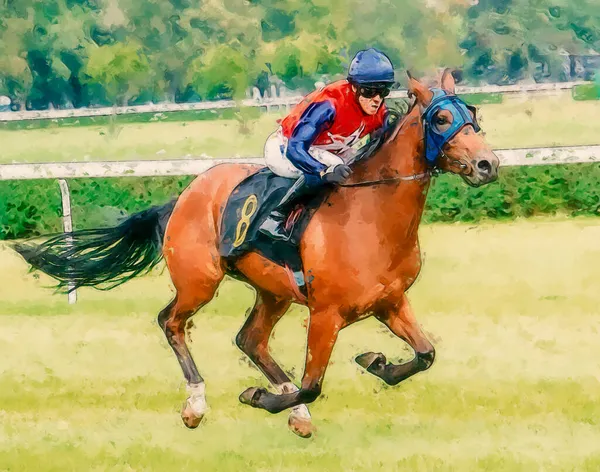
<point>371,361</point>
<point>190,419</point>
<point>301,426</point>
<point>251,396</point>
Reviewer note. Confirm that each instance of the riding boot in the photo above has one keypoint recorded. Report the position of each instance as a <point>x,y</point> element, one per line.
<point>274,225</point>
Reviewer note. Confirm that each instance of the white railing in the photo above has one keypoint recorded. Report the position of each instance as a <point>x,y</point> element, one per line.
<point>70,170</point>
<point>286,102</point>
<point>73,170</point>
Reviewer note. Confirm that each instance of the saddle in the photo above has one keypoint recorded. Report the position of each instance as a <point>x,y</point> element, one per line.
<point>249,205</point>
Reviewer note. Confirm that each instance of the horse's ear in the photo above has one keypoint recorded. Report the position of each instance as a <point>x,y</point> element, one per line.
<point>420,91</point>
<point>448,81</point>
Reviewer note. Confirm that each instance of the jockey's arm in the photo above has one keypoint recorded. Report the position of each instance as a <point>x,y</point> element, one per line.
<point>316,118</point>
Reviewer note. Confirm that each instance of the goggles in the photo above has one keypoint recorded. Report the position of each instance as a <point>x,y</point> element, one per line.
<point>372,91</point>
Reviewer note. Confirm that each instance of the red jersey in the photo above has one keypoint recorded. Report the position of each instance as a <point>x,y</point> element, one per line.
<point>350,122</point>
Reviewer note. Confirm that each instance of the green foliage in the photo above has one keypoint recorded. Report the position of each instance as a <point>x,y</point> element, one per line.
<point>29,207</point>
<point>65,53</point>
<point>100,202</point>
<point>33,207</point>
<point>508,40</point>
<point>586,92</point>
<point>520,192</point>
<point>221,73</point>
<point>481,98</point>
<point>121,68</point>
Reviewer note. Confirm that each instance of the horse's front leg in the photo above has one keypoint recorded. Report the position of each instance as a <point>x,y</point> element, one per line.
<point>253,340</point>
<point>322,334</point>
<point>401,321</point>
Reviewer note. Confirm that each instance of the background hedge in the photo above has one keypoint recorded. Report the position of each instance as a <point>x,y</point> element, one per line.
<point>586,92</point>
<point>29,208</point>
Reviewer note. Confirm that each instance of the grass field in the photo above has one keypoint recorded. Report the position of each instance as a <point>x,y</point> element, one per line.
<point>517,122</point>
<point>511,309</point>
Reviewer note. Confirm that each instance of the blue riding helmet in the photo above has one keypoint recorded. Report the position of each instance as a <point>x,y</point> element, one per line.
<point>434,138</point>
<point>371,66</point>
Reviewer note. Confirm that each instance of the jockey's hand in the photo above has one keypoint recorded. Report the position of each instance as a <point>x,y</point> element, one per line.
<point>340,173</point>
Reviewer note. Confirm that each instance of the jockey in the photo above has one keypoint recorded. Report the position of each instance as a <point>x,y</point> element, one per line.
<point>325,129</point>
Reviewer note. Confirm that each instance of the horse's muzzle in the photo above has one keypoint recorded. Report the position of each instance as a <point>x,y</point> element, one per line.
<point>484,169</point>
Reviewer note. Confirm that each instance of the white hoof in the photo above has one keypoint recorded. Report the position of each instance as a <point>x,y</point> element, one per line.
<point>300,421</point>
<point>195,407</point>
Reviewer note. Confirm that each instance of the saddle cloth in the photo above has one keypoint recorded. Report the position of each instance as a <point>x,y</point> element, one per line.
<point>249,205</point>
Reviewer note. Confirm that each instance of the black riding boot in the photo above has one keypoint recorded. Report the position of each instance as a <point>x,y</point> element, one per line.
<point>274,225</point>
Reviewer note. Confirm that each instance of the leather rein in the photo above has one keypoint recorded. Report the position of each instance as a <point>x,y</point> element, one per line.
<point>391,180</point>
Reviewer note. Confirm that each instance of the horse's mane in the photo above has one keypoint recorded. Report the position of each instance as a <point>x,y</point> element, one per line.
<point>393,121</point>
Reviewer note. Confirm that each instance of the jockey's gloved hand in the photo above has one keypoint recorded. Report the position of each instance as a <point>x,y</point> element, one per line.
<point>340,173</point>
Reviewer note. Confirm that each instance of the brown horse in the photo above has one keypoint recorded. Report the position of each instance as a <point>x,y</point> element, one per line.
<point>360,252</point>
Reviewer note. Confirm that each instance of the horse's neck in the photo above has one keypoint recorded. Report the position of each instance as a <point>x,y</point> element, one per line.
<point>402,156</point>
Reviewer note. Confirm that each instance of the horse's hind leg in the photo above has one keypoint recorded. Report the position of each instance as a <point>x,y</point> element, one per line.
<point>190,248</point>
<point>401,321</point>
<point>196,291</point>
<point>253,340</point>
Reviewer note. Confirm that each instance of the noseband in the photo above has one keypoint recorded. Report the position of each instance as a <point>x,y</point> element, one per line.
<point>453,162</point>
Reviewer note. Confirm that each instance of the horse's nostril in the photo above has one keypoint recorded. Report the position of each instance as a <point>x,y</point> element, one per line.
<point>484,166</point>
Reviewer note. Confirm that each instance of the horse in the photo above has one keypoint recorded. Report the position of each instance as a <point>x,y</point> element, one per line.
<point>360,253</point>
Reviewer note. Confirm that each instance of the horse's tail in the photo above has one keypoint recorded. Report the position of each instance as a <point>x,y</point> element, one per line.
<point>105,257</point>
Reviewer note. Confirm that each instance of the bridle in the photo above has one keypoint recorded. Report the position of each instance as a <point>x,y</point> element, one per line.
<point>453,162</point>
<point>433,141</point>
<point>391,180</point>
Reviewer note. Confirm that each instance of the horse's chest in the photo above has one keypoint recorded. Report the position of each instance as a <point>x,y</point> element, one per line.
<point>400,276</point>
<point>362,261</point>
<point>389,263</point>
<point>362,284</point>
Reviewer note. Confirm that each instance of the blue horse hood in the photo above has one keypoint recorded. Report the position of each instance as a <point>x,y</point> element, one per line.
<point>434,138</point>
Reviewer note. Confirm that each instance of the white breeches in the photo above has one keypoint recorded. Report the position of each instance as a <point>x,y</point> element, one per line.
<point>275,150</point>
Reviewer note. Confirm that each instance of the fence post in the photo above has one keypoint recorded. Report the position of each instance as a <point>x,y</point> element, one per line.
<point>67,227</point>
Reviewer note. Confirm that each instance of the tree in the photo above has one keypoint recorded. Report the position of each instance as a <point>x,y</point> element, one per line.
<point>122,68</point>
<point>508,40</point>
<point>91,52</point>
<point>222,72</point>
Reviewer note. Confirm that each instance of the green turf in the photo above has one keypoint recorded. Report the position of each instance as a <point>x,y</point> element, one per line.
<point>516,122</point>
<point>510,307</point>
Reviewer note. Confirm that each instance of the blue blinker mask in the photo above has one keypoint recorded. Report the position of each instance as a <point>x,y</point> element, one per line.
<point>434,138</point>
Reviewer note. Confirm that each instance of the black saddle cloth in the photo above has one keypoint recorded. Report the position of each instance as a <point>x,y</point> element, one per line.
<point>250,204</point>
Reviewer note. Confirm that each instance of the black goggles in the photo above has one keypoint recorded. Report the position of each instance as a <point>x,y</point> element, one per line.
<point>370,92</point>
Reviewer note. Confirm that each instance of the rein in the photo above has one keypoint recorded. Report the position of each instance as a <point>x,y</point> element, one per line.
<point>392,180</point>
<point>402,178</point>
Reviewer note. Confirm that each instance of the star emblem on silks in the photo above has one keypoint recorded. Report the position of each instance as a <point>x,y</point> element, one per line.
<point>341,145</point>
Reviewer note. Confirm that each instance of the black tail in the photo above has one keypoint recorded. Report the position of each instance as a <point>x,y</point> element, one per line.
<point>105,257</point>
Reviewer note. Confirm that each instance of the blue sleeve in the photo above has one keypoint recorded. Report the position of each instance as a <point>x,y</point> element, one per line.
<point>316,118</point>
